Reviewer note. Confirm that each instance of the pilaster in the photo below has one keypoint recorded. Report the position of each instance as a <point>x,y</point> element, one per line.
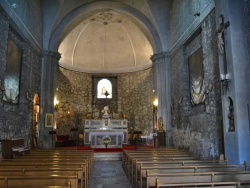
<point>238,81</point>
<point>162,88</point>
<point>48,86</point>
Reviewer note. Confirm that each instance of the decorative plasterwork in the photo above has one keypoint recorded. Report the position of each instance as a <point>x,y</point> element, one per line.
<point>106,42</point>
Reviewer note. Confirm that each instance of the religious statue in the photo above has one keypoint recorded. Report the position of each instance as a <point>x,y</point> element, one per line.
<point>105,110</point>
<point>220,34</point>
<point>161,125</point>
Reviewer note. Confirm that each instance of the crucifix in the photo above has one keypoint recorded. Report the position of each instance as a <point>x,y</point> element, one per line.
<point>106,94</point>
<point>221,44</point>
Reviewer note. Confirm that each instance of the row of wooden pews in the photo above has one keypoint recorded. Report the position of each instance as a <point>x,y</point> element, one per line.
<point>171,167</point>
<point>58,168</point>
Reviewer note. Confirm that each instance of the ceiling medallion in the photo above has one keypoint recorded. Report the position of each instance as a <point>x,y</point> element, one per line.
<point>106,17</point>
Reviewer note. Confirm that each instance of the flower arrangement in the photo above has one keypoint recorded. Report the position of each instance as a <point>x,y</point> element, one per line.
<point>106,141</point>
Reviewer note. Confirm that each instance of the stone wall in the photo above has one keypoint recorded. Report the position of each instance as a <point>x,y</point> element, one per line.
<point>197,127</point>
<point>182,17</point>
<point>135,91</point>
<point>75,94</point>
<point>16,119</point>
<point>30,14</point>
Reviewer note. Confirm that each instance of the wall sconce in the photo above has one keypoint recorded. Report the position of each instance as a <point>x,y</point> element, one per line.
<point>68,113</point>
<point>29,97</point>
<point>224,78</point>
<point>155,103</point>
<point>197,14</point>
<point>56,104</point>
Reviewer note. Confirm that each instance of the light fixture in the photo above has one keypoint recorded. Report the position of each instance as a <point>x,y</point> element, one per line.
<point>197,14</point>
<point>155,103</point>
<point>56,104</point>
<point>224,78</point>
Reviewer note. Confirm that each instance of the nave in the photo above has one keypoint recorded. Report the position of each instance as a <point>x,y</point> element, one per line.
<point>108,174</point>
<point>141,168</point>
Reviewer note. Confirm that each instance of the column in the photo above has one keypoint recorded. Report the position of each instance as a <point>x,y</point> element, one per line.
<point>48,87</point>
<point>162,89</point>
<point>238,68</point>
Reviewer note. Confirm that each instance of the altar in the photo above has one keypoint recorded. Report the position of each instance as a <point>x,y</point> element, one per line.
<point>97,139</point>
<point>96,131</point>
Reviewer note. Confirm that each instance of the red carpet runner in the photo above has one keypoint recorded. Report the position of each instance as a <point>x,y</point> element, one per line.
<point>106,149</point>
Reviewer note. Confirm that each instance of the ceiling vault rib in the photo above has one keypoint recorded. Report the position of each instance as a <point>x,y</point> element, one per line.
<point>73,53</point>
<point>132,46</point>
<point>104,47</point>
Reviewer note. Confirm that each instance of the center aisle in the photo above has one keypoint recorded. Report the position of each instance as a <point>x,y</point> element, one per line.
<point>108,174</point>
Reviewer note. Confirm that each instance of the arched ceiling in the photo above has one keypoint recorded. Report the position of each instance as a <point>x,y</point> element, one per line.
<point>106,42</point>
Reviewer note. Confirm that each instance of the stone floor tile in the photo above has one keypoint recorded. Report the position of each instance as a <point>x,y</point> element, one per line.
<point>108,174</point>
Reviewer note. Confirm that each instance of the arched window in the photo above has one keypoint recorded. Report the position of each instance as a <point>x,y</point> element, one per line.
<point>104,89</point>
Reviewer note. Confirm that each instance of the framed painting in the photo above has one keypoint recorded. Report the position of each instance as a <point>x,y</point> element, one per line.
<point>196,77</point>
<point>13,72</point>
<point>49,120</point>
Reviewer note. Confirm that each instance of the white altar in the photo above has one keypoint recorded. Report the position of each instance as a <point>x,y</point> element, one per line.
<point>96,130</point>
<point>96,139</point>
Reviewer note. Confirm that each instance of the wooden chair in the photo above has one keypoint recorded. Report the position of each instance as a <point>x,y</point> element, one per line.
<point>135,138</point>
<point>80,141</point>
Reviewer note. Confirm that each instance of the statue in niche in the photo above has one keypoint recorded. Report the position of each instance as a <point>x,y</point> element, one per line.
<point>161,125</point>
<point>231,117</point>
<point>197,83</point>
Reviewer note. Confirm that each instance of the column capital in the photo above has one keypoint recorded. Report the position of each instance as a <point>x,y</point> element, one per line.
<point>49,54</point>
<point>162,57</point>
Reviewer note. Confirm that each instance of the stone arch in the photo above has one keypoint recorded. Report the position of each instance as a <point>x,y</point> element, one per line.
<point>80,13</point>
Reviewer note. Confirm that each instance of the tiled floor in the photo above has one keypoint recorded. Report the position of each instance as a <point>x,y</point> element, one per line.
<point>109,174</point>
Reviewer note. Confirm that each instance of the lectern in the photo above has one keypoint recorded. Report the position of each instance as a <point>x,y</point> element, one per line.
<point>160,138</point>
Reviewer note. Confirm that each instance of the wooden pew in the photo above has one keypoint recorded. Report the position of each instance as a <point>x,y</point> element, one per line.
<point>82,182</point>
<point>136,164</point>
<point>38,181</point>
<point>130,158</point>
<point>203,177</point>
<point>161,169</point>
<point>228,184</point>
<point>55,155</point>
<point>35,165</point>
<point>41,162</point>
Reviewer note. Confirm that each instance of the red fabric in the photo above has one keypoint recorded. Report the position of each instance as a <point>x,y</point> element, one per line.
<point>129,147</point>
<point>106,149</point>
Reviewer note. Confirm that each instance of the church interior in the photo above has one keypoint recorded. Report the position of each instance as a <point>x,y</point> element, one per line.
<point>114,74</point>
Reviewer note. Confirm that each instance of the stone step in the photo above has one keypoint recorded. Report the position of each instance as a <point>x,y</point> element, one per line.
<point>108,156</point>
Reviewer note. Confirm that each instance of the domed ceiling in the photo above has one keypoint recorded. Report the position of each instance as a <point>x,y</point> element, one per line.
<point>106,42</point>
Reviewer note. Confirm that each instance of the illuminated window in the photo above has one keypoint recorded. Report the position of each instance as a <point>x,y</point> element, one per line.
<point>104,89</point>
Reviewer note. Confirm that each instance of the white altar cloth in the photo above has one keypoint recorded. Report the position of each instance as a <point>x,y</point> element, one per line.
<point>96,139</point>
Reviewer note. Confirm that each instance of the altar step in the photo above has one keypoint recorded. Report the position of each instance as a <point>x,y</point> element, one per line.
<point>110,156</point>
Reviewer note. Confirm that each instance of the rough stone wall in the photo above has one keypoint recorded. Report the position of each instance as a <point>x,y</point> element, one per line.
<point>16,119</point>
<point>197,128</point>
<point>75,94</point>
<point>182,16</point>
<point>136,98</point>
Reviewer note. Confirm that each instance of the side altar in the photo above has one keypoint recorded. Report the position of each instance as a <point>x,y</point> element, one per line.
<point>96,131</point>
